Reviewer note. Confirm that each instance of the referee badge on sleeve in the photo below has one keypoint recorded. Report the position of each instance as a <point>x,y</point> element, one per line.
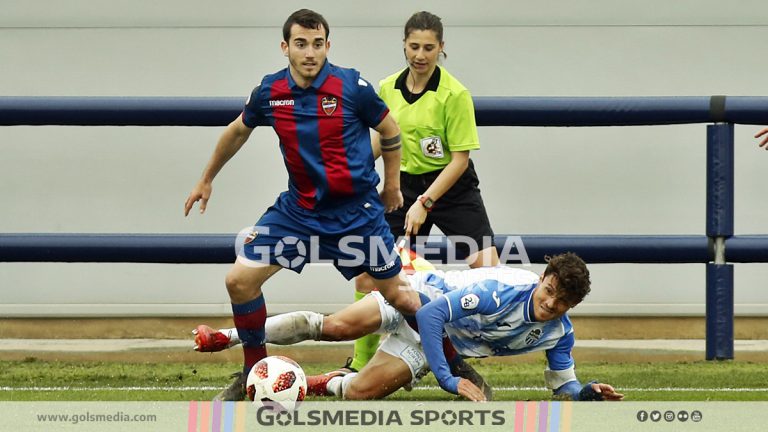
<point>432,147</point>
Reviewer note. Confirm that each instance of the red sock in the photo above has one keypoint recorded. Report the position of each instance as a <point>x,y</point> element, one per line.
<point>249,320</point>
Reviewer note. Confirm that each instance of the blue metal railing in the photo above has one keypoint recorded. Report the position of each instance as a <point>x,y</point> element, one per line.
<point>220,248</point>
<point>718,249</point>
<point>490,111</point>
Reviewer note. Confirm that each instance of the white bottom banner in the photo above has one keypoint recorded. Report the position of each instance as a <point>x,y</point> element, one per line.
<point>549,416</point>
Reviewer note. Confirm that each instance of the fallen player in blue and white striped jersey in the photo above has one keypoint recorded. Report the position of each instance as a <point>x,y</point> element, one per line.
<point>491,311</point>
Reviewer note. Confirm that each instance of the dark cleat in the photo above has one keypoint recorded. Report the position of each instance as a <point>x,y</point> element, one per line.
<point>235,391</point>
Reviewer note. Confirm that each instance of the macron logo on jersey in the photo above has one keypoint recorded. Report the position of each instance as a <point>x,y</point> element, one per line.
<point>281,102</point>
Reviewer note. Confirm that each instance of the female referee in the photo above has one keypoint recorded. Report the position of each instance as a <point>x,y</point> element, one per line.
<point>437,178</point>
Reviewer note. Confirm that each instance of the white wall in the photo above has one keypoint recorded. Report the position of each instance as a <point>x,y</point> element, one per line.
<point>629,180</point>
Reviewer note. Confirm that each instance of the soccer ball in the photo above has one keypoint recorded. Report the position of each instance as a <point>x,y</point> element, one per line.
<point>277,382</point>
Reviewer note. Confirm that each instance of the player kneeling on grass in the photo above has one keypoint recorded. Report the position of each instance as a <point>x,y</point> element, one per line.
<point>491,311</point>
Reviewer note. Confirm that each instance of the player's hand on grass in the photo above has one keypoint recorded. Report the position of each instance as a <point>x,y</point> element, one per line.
<point>765,140</point>
<point>607,391</point>
<point>392,199</point>
<point>470,391</point>
<point>202,193</point>
<point>414,218</point>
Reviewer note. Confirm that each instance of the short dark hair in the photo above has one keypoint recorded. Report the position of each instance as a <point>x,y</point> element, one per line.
<point>306,18</point>
<point>572,277</point>
<point>424,21</point>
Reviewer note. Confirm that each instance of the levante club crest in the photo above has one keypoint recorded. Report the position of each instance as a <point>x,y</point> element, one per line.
<point>329,104</point>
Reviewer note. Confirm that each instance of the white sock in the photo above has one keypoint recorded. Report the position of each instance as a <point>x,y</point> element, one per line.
<point>290,328</point>
<point>231,333</point>
<point>338,385</point>
<point>345,382</point>
<point>334,386</point>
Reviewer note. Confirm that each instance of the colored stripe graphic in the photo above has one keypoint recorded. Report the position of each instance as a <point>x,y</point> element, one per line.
<point>216,418</point>
<point>205,416</point>
<point>229,416</point>
<point>566,417</point>
<point>192,419</point>
<point>530,416</point>
<point>519,416</point>
<point>240,412</point>
<point>543,411</point>
<point>554,416</point>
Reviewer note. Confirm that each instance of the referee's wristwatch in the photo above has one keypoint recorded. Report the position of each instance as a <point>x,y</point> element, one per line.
<point>426,202</point>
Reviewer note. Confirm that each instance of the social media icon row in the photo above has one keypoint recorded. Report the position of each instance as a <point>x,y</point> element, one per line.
<point>669,416</point>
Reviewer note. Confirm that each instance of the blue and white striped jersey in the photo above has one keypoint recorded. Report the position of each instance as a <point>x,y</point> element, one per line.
<point>491,314</point>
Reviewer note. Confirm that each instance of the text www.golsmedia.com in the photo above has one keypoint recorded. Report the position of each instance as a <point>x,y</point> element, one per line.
<point>90,417</point>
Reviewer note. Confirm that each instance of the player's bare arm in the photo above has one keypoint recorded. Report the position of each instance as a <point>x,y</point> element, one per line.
<point>764,142</point>
<point>417,214</point>
<point>376,145</point>
<point>230,142</point>
<point>389,143</point>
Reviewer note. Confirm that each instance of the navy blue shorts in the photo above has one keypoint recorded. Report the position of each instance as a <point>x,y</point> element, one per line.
<point>354,238</point>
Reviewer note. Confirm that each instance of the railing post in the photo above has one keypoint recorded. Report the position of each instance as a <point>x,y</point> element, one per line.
<point>719,296</point>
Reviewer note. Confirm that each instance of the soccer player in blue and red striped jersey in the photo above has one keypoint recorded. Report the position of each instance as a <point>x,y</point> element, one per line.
<point>322,115</point>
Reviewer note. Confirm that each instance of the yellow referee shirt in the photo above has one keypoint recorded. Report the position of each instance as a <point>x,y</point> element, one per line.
<point>432,124</point>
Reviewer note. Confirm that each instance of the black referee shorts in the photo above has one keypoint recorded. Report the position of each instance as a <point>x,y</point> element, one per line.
<point>459,212</point>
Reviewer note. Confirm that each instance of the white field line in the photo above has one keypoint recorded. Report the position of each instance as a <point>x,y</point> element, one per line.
<point>420,388</point>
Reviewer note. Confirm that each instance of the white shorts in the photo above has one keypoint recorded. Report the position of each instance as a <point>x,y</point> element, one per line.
<point>403,342</point>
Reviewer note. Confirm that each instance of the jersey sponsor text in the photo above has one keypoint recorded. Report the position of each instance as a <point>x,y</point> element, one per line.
<point>281,102</point>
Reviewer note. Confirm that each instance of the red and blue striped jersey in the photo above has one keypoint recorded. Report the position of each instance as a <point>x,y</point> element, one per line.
<point>324,133</point>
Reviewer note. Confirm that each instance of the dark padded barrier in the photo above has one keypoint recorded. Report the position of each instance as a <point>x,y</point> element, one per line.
<point>119,111</point>
<point>720,180</point>
<point>747,249</point>
<point>137,248</point>
<point>719,322</point>
<point>219,248</point>
<point>490,111</point>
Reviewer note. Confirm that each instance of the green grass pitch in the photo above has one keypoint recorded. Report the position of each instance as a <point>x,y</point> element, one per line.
<point>35,380</point>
